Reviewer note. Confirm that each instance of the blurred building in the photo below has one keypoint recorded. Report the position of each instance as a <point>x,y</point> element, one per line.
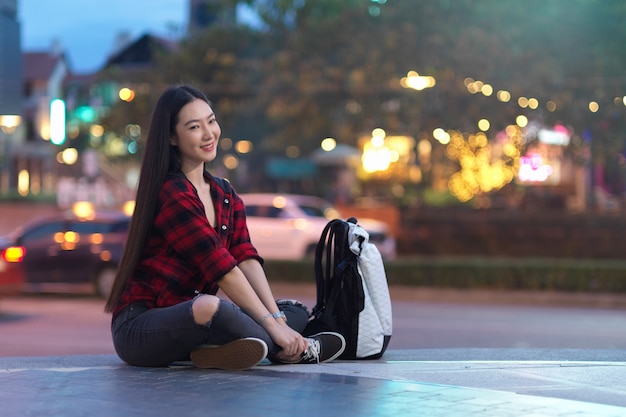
<point>10,91</point>
<point>33,161</point>
<point>11,59</point>
<point>45,73</point>
<point>140,53</point>
<point>44,77</point>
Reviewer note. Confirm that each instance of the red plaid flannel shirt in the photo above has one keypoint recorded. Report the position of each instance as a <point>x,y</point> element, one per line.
<point>183,254</point>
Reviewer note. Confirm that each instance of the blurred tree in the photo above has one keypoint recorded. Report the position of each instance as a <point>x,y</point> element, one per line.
<point>327,68</point>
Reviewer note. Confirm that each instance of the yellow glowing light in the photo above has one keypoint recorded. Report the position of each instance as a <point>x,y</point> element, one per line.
<point>96,238</point>
<point>481,139</point>
<point>58,237</point>
<point>129,207</point>
<point>441,136</point>
<point>400,144</point>
<point>116,146</point>
<point>378,141</point>
<point>594,106</point>
<point>71,237</point>
<point>551,106</point>
<point>96,130</point>
<point>533,103</point>
<point>243,146</point>
<point>509,149</point>
<point>279,201</point>
<point>379,132</point>
<point>487,90</point>
<point>512,130</point>
<point>83,210</point>
<point>376,158</point>
<point>9,122</point>
<point>521,120</point>
<point>300,224</point>
<point>69,156</point>
<point>415,174</point>
<point>331,213</point>
<point>451,152</point>
<point>417,82</point>
<point>328,144</point>
<point>484,125</point>
<point>424,147</point>
<point>68,246</point>
<point>23,182</point>
<point>504,96</point>
<point>230,161</point>
<point>522,102</point>
<point>44,131</point>
<point>480,170</point>
<point>126,94</point>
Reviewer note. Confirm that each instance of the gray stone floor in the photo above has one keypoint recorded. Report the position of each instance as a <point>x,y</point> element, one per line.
<point>448,382</point>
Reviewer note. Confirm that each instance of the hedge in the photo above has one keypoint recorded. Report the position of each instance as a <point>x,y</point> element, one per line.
<point>484,273</point>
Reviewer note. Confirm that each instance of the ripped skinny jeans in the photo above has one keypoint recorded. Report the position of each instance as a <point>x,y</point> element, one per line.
<point>153,337</point>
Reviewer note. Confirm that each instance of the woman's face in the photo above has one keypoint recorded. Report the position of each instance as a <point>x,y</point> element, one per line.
<point>197,133</point>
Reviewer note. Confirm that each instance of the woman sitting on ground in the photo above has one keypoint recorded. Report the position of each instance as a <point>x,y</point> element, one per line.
<point>188,239</point>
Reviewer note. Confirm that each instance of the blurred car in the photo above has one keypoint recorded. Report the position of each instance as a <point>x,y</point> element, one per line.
<point>288,226</point>
<point>66,252</point>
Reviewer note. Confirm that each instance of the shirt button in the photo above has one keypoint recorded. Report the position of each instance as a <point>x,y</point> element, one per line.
<point>226,201</point>
<point>224,227</point>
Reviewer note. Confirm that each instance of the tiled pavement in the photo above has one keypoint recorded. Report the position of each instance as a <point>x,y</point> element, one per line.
<point>403,383</point>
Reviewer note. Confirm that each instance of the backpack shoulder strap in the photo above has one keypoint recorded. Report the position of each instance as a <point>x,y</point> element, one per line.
<point>223,183</point>
<point>322,266</point>
<point>331,254</point>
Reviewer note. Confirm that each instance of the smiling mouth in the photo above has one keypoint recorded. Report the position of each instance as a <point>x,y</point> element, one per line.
<point>208,147</point>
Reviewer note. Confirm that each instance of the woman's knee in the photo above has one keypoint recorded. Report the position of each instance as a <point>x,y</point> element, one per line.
<point>204,308</point>
<point>296,312</point>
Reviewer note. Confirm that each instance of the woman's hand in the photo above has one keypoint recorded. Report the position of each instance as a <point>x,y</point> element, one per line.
<point>292,342</point>
<point>257,300</point>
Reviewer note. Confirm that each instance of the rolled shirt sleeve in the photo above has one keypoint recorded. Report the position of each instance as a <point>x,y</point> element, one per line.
<point>183,253</point>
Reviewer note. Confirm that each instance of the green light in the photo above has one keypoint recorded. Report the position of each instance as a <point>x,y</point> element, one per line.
<point>86,114</point>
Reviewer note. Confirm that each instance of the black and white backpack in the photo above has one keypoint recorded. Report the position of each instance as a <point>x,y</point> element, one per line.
<point>352,292</point>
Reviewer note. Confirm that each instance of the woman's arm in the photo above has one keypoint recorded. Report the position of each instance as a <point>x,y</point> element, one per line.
<point>240,290</point>
<point>254,273</point>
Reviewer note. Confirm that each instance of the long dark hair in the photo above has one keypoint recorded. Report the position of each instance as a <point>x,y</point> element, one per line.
<point>159,159</point>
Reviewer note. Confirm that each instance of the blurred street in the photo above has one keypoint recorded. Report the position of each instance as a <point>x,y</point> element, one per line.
<point>43,325</point>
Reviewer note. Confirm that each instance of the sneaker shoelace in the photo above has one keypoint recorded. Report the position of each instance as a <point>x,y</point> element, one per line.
<point>312,351</point>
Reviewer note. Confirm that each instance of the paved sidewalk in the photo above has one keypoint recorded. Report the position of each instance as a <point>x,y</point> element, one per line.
<point>447,382</point>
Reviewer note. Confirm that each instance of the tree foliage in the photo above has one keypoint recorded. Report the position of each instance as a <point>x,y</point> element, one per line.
<point>319,68</point>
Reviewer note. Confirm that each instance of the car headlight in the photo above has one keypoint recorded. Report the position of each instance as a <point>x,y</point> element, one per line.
<point>300,224</point>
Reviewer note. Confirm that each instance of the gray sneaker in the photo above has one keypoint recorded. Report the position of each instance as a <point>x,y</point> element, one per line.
<point>323,347</point>
<point>237,355</point>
